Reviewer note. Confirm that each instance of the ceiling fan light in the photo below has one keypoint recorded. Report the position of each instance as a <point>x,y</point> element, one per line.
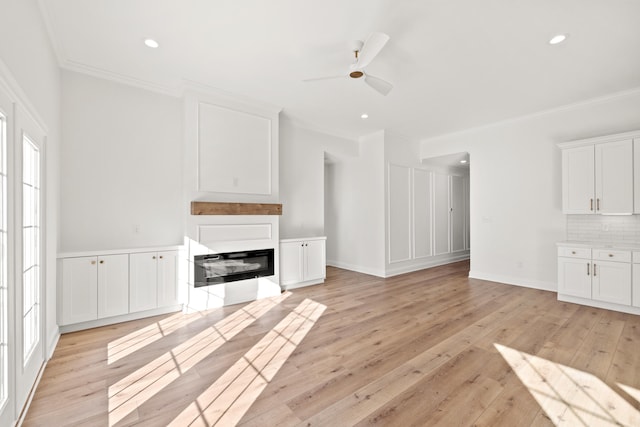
<point>151,43</point>
<point>558,38</point>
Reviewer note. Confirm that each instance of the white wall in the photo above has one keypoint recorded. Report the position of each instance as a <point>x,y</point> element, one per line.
<point>515,182</point>
<point>121,167</point>
<point>302,153</point>
<point>355,209</point>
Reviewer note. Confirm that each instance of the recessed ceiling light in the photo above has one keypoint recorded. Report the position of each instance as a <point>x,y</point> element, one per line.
<point>151,43</point>
<point>558,38</point>
<point>364,116</point>
<point>463,161</point>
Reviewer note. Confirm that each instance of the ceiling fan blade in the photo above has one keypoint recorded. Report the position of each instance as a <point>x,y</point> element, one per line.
<point>382,86</point>
<point>372,47</point>
<point>324,78</point>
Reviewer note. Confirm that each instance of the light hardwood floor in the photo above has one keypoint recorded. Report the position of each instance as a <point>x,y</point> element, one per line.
<point>426,348</point>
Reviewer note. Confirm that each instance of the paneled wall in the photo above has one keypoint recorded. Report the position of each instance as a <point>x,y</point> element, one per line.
<point>426,218</point>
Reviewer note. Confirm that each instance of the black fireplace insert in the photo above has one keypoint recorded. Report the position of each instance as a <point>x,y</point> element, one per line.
<point>232,266</point>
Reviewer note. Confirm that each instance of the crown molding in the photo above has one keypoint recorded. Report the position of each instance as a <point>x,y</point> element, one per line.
<point>296,121</point>
<point>125,79</point>
<point>206,93</point>
<point>600,139</point>
<point>567,107</point>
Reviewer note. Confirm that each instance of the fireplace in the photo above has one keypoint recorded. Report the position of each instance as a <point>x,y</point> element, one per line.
<point>225,267</point>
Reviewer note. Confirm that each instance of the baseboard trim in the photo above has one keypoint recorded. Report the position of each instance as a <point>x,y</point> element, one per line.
<point>599,304</point>
<point>53,343</point>
<point>515,281</point>
<point>427,263</point>
<point>118,319</point>
<point>356,268</point>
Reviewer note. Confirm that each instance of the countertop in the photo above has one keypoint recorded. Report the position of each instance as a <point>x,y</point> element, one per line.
<point>600,245</point>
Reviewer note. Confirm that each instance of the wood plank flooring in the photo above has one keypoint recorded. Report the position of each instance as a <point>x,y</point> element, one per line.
<point>426,348</point>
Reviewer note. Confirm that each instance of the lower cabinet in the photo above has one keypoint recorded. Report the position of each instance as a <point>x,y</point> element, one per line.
<point>574,277</point>
<point>302,262</point>
<point>153,280</point>
<point>612,282</point>
<point>597,274</point>
<point>106,286</point>
<point>113,285</point>
<point>94,287</point>
<point>635,285</point>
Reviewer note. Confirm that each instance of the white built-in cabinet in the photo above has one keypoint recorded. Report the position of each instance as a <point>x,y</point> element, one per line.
<point>597,276</point>
<point>635,283</point>
<point>597,178</point>
<point>153,278</point>
<point>111,286</point>
<point>302,262</point>
<point>94,287</point>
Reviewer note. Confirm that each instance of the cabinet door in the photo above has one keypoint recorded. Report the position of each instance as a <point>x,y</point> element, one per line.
<point>167,278</point>
<point>315,266</point>
<point>457,214</point>
<point>612,282</point>
<point>578,180</point>
<point>441,215</point>
<point>574,277</point>
<point>291,269</point>
<point>635,291</point>
<point>113,285</point>
<point>614,177</point>
<point>143,279</point>
<point>79,290</point>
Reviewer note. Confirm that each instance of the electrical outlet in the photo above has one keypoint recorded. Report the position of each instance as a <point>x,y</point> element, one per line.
<point>605,226</point>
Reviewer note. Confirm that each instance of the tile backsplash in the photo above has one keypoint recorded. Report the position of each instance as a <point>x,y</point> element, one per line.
<point>604,228</point>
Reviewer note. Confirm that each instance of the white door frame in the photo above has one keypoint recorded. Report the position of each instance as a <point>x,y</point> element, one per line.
<point>26,373</point>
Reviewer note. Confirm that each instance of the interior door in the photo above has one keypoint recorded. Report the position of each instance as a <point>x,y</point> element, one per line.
<point>7,363</point>
<point>29,218</point>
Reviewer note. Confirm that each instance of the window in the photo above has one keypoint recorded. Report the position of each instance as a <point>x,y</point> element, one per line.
<point>30,245</point>
<point>4,315</point>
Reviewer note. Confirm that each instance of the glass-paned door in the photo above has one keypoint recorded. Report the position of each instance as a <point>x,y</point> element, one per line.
<point>28,277</point>
<point>30,247</point>
<point>4,264</point>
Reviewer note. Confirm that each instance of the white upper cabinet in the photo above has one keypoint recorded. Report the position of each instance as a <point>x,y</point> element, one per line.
<point>578,177</point>
<point>614,177</point>
<point>598,178</point>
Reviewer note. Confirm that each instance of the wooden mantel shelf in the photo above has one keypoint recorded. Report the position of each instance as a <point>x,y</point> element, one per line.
<point>223,208</point>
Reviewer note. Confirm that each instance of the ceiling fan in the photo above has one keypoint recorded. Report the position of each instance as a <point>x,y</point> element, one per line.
<point>364,53</point>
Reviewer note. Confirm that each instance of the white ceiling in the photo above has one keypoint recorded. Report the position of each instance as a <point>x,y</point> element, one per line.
<point>454,64</point>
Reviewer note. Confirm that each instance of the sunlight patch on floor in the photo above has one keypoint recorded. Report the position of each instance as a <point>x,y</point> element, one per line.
<point>126,395</point>
<point>227,400</point>
<point>569,396</point>
<point>130,343</point>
